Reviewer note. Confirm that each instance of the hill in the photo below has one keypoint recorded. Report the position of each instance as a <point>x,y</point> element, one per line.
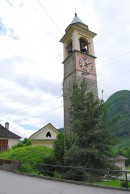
<point>61,130</point>
<point>119,103</point>
<point>29,156</point>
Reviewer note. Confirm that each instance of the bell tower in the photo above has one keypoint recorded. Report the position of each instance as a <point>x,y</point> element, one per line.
<point>79,62</point>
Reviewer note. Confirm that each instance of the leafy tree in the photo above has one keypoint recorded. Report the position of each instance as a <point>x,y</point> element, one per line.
<point>24,142</point>
<point>59,148</point>
<point>90,142</point>
<point>56,158</point>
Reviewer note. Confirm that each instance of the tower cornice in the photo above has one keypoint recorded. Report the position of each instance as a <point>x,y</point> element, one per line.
<point>76,51</point>
<point>78,27</point>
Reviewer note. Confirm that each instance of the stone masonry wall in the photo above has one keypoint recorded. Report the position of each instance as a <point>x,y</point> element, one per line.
<point>8,165</point>
<point>70,76</point>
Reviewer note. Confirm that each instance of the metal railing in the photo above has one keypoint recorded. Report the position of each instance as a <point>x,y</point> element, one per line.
<point>87,175</point>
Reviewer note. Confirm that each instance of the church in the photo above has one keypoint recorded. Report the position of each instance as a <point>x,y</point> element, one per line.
<point>79,62</point>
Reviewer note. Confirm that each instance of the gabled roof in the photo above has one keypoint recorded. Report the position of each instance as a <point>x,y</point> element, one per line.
<point>4,132</point>
<point>119,157</point>
<point>48,125</point>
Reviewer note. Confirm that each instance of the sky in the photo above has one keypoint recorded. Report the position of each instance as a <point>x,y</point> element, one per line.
<point>31,56</point>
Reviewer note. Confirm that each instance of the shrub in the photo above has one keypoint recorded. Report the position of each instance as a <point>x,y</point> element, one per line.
<point>28,156</point>
<point>124,183</point>
<point>25,142</point>
<point>74,174</point>
<point>58,147</point>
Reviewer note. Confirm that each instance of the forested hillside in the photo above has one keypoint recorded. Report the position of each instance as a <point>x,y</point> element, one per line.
<point>119,103</point>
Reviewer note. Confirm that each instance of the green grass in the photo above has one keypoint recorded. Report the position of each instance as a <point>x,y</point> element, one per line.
<point>28,155</point>
<point>111,183</point>
<point>127,167</point>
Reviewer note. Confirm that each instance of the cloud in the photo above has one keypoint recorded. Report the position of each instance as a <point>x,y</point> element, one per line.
<point>3,28</point>
<point>7,31</point>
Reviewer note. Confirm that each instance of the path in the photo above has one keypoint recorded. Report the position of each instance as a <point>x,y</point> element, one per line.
<point>11,183</point>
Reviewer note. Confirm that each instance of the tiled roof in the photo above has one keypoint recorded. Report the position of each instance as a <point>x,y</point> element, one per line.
<point>6,133</point>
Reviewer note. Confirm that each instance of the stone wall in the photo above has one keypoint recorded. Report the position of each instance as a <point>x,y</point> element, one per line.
<point>8,165</point>
<point>72,74</point>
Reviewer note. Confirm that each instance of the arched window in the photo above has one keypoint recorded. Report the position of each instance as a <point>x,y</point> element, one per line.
<point>83,46</point>
<point>69,48</point>
<point>48,134</point>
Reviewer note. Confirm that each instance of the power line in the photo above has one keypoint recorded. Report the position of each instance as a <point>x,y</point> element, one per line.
<point>31,106</point>
<point>113,76</point>
<point>111,58</point>
<point>54,109</point>
<point>41,5</point>
<point>117,66</point>
<point>46,112</point>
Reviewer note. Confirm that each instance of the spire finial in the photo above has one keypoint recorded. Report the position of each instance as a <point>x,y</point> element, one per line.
<point>75,14</point>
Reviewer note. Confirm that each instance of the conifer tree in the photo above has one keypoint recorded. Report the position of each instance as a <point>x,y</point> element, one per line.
<point>91,140</point>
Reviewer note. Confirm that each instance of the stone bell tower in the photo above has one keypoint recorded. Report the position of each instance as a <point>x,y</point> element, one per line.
<point>79,62</point>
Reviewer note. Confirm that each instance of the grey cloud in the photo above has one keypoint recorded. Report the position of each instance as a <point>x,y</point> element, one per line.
<point>41,84</point>
<point>8,72</point>
<point>113,17</point>
<point>114,21</point>
<point>22,81</point>
<point>7,67</point>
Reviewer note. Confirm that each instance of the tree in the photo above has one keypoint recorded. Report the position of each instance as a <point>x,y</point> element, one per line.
<point>24,142</point>
<point>59,148</point>
<point>90,142</point>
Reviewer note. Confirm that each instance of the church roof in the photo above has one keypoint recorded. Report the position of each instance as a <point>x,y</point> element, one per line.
<point>79,24</point>
<point>76,20</point>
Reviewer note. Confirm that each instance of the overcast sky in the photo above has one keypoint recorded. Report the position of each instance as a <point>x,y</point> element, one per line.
<point>31,69</point>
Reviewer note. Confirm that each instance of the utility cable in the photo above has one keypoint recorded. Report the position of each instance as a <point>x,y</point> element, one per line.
<point>111,58</point>
<point>31,106</point>
<point>41,5</point>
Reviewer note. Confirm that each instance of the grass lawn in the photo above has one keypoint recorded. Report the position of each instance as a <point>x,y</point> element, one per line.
<point>127,167</point>
<point>111,183</point>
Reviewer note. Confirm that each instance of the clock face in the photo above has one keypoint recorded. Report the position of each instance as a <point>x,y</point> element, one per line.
<point>86,65</point>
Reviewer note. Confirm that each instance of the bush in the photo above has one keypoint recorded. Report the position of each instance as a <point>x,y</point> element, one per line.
<point>58,147</point>
<point>74,174</point>
<point>28,156</point>
<point>57,174</point>
<point>127,162</point>
<point>124,184</point>
<point>25,142</point>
